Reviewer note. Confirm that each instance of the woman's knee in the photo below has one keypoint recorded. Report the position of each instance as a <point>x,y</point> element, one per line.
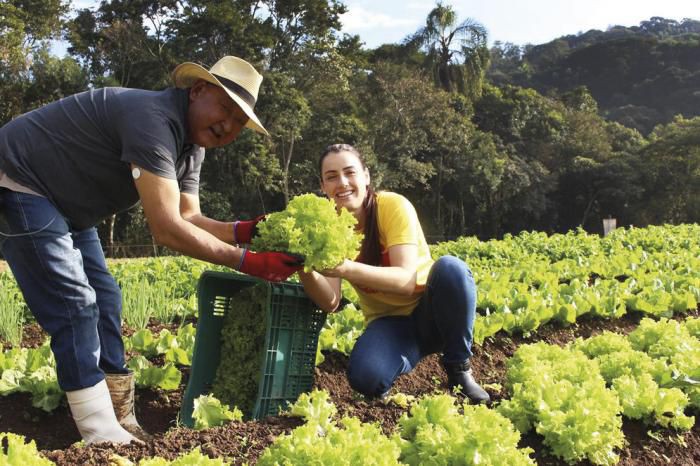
<point>367,379</point>
<point>451,268</point>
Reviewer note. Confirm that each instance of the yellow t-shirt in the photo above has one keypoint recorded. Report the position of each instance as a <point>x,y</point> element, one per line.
<point>398,224</point>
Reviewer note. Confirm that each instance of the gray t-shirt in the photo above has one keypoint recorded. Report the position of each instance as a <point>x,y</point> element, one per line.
<point>77,151</point>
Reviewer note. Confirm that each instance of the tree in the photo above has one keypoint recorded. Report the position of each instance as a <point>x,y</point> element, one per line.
<point>418,138</point>
<point>25,26</point>
<point>457,52</point>
<point>123,42</point>
<point>289,114</point>
<point>52,78</point>
<point>671,173</point>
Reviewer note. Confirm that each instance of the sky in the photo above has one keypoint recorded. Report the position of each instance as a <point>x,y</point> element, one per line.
<point>518,21</point>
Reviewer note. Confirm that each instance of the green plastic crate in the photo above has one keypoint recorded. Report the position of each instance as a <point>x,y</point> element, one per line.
<point>291,338</point>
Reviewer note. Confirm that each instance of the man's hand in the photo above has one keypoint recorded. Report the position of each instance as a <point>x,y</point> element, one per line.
<point>244,230</point>
<point>270,266</point>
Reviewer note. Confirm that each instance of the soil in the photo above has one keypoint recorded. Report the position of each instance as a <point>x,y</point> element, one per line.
<point>243,442</point>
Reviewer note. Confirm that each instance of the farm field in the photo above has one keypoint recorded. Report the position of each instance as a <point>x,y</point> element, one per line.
<point>537,293</point>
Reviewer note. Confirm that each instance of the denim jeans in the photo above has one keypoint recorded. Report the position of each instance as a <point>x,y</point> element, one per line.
<point>65,282</point>
<point>443,322</point>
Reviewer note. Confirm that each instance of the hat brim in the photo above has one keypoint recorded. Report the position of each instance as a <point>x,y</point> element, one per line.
<point>186,74</point>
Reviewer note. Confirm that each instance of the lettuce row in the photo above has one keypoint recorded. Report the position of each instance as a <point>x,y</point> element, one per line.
<point>561,394</point>
<point>672,343</point>
<point>637,379</point>
<point>435,433</point>
<point>323,441</point>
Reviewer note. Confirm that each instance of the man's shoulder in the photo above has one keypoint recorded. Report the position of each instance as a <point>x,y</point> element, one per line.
<point>143,112</point>
<point>140,98</point>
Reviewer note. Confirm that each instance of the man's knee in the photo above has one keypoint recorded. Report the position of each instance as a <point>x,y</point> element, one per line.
<point>110,298</point>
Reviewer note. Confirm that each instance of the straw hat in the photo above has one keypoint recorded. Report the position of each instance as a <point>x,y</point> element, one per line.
<point>236,76</point>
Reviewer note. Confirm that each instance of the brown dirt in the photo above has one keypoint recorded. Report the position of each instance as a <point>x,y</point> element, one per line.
<point>243,442</point>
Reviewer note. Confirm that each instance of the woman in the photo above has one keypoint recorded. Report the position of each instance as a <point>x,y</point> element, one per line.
<point>413,306</point>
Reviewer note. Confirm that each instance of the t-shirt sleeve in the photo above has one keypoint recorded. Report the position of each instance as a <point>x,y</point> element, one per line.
<point>189,180</point>
<point>398,220</point>
<point>149,145</point>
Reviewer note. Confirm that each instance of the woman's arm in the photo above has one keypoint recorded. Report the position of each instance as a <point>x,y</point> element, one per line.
<point>324,291</point>
<point>399,278</point>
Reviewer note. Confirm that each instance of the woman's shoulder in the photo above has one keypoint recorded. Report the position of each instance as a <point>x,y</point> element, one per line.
<point>391,197</point>
<point>395,203</point>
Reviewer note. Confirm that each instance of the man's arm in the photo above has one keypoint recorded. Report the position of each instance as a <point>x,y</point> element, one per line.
<point>162,205</point>
<point>190,211</point>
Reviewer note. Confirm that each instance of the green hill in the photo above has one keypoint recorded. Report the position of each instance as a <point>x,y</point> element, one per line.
<point>640,76</point>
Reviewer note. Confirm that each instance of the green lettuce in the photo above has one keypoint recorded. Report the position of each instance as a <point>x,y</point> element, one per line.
<point>18,452</point>
<point>436,433</point>
<point>210,412</point>
<point>310,227</point>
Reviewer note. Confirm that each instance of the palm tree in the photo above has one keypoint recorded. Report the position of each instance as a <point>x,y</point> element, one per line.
<point>456,53</point>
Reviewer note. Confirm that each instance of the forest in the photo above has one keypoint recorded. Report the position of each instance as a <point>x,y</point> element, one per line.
<point>484,140</point>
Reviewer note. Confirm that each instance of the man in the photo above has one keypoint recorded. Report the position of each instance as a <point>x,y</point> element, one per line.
<point>68,165</point>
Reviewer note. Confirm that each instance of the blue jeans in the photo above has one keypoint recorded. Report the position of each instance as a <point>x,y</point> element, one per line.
<point>65,282</point>
<point>443,322</point>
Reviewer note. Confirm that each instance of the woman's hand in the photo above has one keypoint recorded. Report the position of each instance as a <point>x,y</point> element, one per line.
<point>339,271</point>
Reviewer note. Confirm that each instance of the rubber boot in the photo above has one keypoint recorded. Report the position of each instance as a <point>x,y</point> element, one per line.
<point>461,374</point>
<point>94,415</point>
<point>121,389</point>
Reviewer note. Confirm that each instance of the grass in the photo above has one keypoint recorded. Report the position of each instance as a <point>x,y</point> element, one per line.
<point>12,310</point>
<point>143,300</point>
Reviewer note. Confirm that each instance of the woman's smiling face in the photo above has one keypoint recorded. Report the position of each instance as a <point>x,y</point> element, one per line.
<point>345,180</point>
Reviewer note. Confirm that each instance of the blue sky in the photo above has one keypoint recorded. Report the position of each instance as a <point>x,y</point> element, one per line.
<point>518,21</point>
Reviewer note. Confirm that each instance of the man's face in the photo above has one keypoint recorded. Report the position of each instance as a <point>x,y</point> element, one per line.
<point>213,119</point>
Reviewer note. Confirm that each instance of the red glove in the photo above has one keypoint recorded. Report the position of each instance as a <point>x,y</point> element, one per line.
<point>244,230</point>
<point>270,266</point>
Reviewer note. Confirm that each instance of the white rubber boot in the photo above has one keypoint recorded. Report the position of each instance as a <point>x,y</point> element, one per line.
<point>94,415</point>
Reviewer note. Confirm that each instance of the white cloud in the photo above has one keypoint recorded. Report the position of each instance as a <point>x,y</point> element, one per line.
<point>359,19</point>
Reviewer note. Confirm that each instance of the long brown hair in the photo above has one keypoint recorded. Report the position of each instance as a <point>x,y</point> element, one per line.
<point>371,251</point>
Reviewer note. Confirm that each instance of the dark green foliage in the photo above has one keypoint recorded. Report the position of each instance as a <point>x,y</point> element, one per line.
<point>640,76</point>
<point>242,350</point>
